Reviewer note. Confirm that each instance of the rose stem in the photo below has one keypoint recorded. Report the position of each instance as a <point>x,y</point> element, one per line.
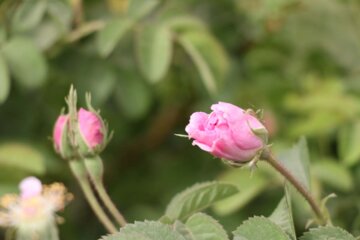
<point>95,169</point>
<point>268,156</point>
<point>79,171</point>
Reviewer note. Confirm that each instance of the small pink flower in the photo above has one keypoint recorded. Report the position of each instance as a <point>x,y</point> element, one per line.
<point>227,132</point>
<point>91,128</point>
<point>59,131</point>
<point>30,187</point>
<point>34,210</point>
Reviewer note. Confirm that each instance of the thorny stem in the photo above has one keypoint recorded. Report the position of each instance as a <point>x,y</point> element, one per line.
<point>95,168</point>
<point>268,156</point>
<point>78,169</point>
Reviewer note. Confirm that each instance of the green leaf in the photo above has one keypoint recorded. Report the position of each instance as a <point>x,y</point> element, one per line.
<point>110,35</point>
<point>28,15</point>
<point>259,228</point>
<point>325,171</point>
<point>22,156</point>
<point>327,233</point>
<point>180,24</point>
<point>26,62</point>
<point>61,13</point>
<point>55,25</point>
<point>8,188</point>
<point>88,74</point>
<point>139,8</point>
<point>296,160</point>
<point>132,89</point>
<point>4,80</point>
<point>208,56</point>
<point>349,142</point>
<point>148,230</point>
<point>241,178</point>
<point>204,227</point>
<point>197,198</point>
<point>282,216</point>
<point>154,50</point>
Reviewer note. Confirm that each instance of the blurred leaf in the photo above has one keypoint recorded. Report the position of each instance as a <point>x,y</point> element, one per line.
<point>247,192</point>
<point>180,24</point>
<point>204,227</point>
<point>349,142</point>
<point>283,217</point>
<point>60,11</point>
<point>118,6</point>
<point>110,35</point>
<point>56,23</point>
<point>46,34</point>
<point>133,96</point>
<point>147,230</point>
<point>3,35</point>
<point>297,161</point>
<point>328,25</point>
<point>28,15</point>
<point>154,50</point>
<point>208,56</point>
<point>99,79</point>
<point>321,106</point>
<point>4,80</point>
<point>259,228</point>
<point>325,170</point>
<point>22,156</point>
<point>26,62</point>
<point>197,198</point>
<point>8,188</point>
<point>139,8</point>
<point>325,233</point>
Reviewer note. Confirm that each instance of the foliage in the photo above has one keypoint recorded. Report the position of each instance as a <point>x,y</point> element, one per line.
<point>148,65</point>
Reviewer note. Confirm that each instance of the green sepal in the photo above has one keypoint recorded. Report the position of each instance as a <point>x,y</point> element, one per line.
<point>95,167</point>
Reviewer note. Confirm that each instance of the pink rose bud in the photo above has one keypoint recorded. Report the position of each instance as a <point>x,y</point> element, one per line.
<point>91,128</point>
<point>30,187</point>
<point>91,133</point>
<point>59,132</point>
<point>228,132</point>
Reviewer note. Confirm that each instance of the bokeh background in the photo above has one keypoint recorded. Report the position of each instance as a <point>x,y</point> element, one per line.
<point>150,63</point>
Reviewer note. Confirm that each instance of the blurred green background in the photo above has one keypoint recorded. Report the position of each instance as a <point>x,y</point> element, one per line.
<point>150,63</point>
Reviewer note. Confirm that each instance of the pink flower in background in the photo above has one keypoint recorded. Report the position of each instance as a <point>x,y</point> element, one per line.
<point>227,132</point>
<point>59,131</point>
<point>34,209</point>
<point>91,128</point>
<point>30,187</point>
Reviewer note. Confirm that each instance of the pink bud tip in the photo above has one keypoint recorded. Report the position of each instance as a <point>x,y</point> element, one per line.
<point>30,187</point>
<point>91,127</point>
<point>58,130</point>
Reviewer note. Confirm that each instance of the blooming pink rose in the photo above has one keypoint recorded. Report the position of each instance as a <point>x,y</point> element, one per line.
<point>59,131</point>
<point>30,187</point>
<point>91,128</point>
<point>227,132</point>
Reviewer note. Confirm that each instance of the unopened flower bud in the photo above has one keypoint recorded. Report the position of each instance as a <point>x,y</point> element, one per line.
<point>61,138</point>
<point>228,132</point>
<point>91,133</point>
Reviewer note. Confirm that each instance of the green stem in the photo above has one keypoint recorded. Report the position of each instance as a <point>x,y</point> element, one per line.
<point>268,156</point>
<point>95,169</point>
<point>79,170</point>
